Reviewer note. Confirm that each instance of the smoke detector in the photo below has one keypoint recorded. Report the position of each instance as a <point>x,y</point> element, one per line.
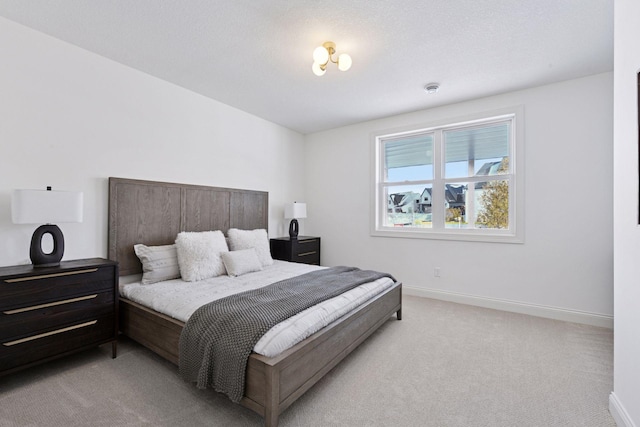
<point>432,88</point>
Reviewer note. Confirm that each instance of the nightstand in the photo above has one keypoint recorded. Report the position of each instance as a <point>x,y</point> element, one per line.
<point>46,313</point>
<point>304,249</point>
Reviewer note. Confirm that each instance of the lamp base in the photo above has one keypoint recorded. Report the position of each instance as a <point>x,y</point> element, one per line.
<point>38,257</point>
<point>293,229</point>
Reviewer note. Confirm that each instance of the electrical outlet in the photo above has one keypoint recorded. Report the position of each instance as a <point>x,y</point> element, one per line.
<point>436,272</point>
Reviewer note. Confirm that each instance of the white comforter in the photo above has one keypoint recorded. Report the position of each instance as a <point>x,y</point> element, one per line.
<point>179,299</point>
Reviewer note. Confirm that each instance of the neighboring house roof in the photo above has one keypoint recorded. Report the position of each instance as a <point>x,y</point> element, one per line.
<point>454,193</point>
<point>489,168</point>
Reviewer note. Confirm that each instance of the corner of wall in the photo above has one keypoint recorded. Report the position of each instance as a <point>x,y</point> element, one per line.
<point>618,412</point>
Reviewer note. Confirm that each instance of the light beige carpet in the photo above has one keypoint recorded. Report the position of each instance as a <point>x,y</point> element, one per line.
<point>443,365</point>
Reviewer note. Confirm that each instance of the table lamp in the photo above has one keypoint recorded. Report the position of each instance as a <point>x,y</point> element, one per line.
<point>295,211</point>
<point>48,207</point>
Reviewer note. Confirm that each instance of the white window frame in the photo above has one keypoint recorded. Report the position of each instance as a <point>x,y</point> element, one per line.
<point>515,233</point>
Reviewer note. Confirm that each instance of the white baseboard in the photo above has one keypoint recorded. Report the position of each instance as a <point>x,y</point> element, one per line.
<point>594,319</point>
<point>619,414</point>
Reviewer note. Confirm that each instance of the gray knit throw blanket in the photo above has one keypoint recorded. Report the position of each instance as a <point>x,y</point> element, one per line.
<point>218,338</point>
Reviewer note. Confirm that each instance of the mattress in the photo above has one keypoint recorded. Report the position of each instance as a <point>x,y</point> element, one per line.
<point>179,299</point>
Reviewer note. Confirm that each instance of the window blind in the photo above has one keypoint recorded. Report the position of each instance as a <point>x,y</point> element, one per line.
<point>410,151</point>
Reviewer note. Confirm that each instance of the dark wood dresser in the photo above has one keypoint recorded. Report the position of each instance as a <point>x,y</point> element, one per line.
<point>304,249</point>
<point>46,313</point>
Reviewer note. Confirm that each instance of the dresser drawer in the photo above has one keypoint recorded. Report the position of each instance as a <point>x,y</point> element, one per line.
<point>56,341</point>
<point>34,289</point>
<point>32,319</point>
<point>306,251</point>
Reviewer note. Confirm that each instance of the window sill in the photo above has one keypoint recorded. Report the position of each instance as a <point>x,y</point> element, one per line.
<point>466,236</point>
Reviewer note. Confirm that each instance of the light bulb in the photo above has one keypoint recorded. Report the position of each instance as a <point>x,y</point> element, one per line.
<point>321,55</point>
<point>317,70</point>
<point>344,62</point>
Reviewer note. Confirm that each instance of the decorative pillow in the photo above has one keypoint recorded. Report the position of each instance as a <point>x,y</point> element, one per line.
<point>199,254</point>
<point>247,239</point>
<point>158,262</point>
<point>241,262</point>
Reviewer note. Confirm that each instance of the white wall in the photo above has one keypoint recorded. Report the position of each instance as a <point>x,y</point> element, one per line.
<point>71,119</point>
<point>625,399</point>
<point>565,266</point>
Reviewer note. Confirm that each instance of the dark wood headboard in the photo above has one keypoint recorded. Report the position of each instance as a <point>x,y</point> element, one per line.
<point>153,213</point>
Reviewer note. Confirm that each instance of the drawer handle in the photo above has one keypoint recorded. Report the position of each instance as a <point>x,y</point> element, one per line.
<point>47,276</point>
<point>47,334</point>
<point>307,253</point>
<point>307,241</point>
<point>51,304</point>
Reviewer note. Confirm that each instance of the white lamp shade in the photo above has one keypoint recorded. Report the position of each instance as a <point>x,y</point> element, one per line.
<point>317,70</point>
<point>321,55</point>
<point>344,62</point>
<point>46,206</point>
<point>295,210</point>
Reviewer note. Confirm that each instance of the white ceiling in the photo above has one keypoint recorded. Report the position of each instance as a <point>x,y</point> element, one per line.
<point>255,55</point>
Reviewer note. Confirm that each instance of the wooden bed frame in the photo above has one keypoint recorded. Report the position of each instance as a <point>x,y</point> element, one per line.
<point>153,213</point>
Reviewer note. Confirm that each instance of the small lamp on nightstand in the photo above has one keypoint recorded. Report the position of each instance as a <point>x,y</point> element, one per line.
<point>295,211</point>
<point>48,207</point>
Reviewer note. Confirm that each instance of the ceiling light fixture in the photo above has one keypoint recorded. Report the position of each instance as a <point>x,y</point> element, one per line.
<point>322,55</point>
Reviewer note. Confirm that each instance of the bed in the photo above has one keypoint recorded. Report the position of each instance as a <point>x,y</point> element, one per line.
<point>153,213</point>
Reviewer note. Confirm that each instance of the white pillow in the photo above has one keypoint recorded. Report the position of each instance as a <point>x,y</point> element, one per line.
<point>199,254</point>
<point>247,239</point>
<point>241,262</point>
<point>158,262</point>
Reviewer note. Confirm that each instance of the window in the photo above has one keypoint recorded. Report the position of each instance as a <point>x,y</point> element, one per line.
<point>452,181</point>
